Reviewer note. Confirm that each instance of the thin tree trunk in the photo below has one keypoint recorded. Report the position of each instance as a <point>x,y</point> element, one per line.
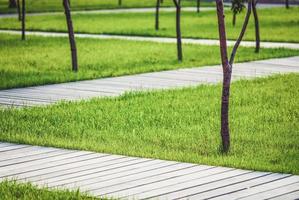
<point>161,1</point>
<point>227,70</point>
<point>71,35</point>
<point>178,29</point>
<point>12,3</point>
<point>234,19</point>
<point>120,2</point>
<point>19,10</point>
<point>157,15</point>
<point>257,26</point>
<point>287,4</point>
<point>23,19</point>
<point>198,6</point>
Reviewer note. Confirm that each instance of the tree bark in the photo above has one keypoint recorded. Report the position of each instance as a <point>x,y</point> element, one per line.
<point>120,2</point>
<point>257,27</point>
<point>198,6</point>
<point>12,3</point>
<point>178,29</point>
<point>23,19</point>
<point>71,35</point>
<point>234,19</point>
<point>227,70</point>
<point>157,15</point>
<point>287,4</point>
<point>19,10</point>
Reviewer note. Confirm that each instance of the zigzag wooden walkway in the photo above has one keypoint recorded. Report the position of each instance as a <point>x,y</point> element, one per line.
<point>123,177</point>
<point>109,87</point>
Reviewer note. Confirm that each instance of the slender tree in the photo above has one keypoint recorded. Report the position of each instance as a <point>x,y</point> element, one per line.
<point>19,10</point>
<point>67,10</point>
<point>23,19</point>
<point>287,4</point>
<point>157,14</point>
<point>237,7</point>
<point>198,6</point>
<point>227,69</point>
<point>257,26</point>
<point>178,29</point>
<point>12,3</point>
<point>119,2</point>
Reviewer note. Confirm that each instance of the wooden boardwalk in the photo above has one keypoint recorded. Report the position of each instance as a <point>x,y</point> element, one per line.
<point>123,177</point>
<point>110,87</point>
<point>210,42</point>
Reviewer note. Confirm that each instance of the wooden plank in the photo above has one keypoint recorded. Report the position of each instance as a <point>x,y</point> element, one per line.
<point>290,196</point>
<point>21,153</point>
<point>70,159</point>
<point>6,144</point>
<point>132,190</point>
<point>228,192</point>
<point>122,183</point>
<point>13,147</point>
<point>69,170</point>
<point>266,187</point>
<point>183,188</point>
<point>131,170</point>
<point>275,192</point>
<point>70,178</point>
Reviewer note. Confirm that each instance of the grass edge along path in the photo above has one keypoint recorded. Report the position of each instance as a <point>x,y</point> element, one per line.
<point>40,61</point>
<point>11,189</point>
<point>180,125</point>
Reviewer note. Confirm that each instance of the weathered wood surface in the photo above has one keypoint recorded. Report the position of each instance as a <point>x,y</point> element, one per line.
<point>111,87</point>
<point>123,177</point>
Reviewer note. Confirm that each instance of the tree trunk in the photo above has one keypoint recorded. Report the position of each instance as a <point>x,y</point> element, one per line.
<point>234,19</point>
<point>198,6</point>
<point>287,4</point>
<point>178,29</point>
<point>257,26</point>
<point>19,10</point>
<point>226,78</point>
<point>120,2</point>
<point>157,15</point>
<point>23,19</point>
<point>227,70</point>
<point>71,35</point>
<point>12,3</point>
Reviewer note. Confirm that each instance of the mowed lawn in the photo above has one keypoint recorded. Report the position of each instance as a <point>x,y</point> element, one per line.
<point>276,24</point>
<point>56,5</point>
<point>44,60</point>
<point>181,125</point>
<point>10,190</point>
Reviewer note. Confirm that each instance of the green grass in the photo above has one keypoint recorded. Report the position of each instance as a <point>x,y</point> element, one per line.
<point>56,5</point>
<point>277,24</point>
<point>40,60</point>
<point>10,190</point>
<point>181,125</point>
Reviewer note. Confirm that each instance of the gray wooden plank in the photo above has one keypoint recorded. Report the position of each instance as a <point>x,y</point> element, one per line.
<point>36,158</point>
<point>290,196</point>
<point>122,183</point>
<point>12,147</point>
<point>5,144</point>
<point>27,152</point>
<point>274,192</point>
<point>239,186</point>
<point>181,189</point>
<point>55,174</point>
<point>228,192</point>
<point>133,189</point>
<point>72,177</point>
<point>71,159</point>
<point>266,187</point>
<point>85,183</point>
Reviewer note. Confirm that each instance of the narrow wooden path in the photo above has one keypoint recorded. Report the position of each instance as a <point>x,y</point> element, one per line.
<point>210,42</point>
<point>110,87</point>
<point>123,177</point>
